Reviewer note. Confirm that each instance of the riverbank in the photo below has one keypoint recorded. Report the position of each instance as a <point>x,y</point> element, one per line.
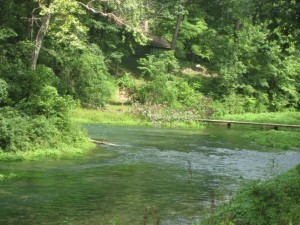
<point>123,115</point>
<point>64,151</point>
<point>286,138</point>
<point>275,201</point>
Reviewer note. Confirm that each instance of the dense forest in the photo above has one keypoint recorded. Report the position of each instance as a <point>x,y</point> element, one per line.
<point>211,57</point>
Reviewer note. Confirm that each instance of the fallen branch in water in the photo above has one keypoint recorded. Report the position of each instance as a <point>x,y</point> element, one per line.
<point>103,143</point>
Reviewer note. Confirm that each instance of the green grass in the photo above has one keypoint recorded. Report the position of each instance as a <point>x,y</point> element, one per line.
<point>113,115</point>
<point>280,140</point>
<point>64,151</point>
<point>121,116</point>
<point>285,138</point>
<point>275,201</point>
<point>273,117</point>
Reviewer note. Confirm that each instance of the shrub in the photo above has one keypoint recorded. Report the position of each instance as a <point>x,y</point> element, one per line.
<point>153,66</point>
<point>127,84</point>
<point>93,85</point>
<point>160,90</point>
<point>47,103</point>
<point>3,90</point>
<point>275,201</point>
<point>20,132</point>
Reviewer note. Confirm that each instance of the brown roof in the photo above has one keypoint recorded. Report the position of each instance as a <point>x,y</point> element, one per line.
<point>158,42</point>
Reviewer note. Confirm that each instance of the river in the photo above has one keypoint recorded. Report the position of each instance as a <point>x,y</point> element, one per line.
<point>148,176</point>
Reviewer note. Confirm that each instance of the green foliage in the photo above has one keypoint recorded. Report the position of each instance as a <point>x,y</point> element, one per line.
<point>163,116</point>
<point>239,104</point>
<point>48,103</point>
<point>282,139</point>
<point>93,85</point>
<point>20,132</point>
<point>3,90</point>
<point>114,116</point>
<point>160,90</point>
<point>127,83</point>
<point>153,66</point>
<point>288,117</point>
<point>275,201</point>
<point>66,27</point>
<point>24,82</point>
<point>6,33</point>
<point>10,176</point>
<point>162,86</point>
<point>275,139</point>
<point>87,78</point>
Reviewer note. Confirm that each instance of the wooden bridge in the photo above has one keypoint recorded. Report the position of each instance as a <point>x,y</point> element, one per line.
<point>229,122</point>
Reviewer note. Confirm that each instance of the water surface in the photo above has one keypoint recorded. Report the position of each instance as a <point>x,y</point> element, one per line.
<point>149,176</point>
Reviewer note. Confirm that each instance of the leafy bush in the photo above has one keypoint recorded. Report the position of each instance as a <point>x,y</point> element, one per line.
<point>159,90</point>
<point>47,103</point>
<point>86,78</point>
<point>153,66</point>
<point>3,90</point>
<point>93,85</point>
<point>20,132</point>
<point>127,83</point>
<point>23,82</point>
<point>162,86</point>
<point>275,201</point>
<point>239,104</point>
<point>186,95</point>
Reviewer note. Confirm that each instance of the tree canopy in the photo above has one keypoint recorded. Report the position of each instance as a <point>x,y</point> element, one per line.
<point>241,55</point>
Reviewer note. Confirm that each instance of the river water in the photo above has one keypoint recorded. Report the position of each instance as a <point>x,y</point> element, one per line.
<point>148,176</point>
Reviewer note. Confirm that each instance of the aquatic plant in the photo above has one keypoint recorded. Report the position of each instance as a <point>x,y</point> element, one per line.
<point>10,176</point>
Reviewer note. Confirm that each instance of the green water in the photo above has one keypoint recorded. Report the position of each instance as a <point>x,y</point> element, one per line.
<point>150,176</point>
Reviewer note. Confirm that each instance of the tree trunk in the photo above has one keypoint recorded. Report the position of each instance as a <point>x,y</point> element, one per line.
<point>174,39</point>
<point>39,39</point>
<point>178,24</point>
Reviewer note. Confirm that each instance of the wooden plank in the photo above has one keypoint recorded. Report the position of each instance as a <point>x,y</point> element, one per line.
<point>228,122</point>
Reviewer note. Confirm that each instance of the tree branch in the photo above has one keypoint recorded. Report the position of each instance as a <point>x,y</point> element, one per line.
<point>118,20</point>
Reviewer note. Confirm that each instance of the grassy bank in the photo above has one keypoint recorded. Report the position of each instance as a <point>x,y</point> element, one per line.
<point>123,116</point>
<point>272,117</point>
<point>280,140</point>
<point>275,201</point>
<point>112,115</point>
<point>285,138</point>
<point>64,151</point>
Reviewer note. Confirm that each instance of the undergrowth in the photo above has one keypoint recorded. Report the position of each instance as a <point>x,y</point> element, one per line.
<point>63,151</point>
<point>275,201</point>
